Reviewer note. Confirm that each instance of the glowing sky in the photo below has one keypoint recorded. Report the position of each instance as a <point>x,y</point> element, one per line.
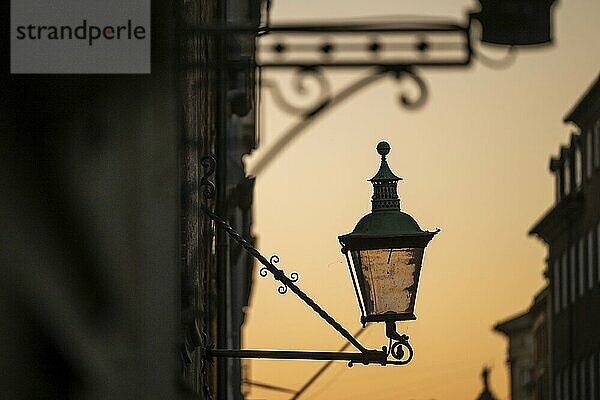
<point>474,161</point>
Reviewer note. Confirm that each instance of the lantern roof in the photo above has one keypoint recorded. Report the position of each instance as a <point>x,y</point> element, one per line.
<point>386,229</point>
<point>386,224</point>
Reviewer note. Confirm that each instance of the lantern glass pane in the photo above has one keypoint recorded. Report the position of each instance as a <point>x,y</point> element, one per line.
<point>388,279</point>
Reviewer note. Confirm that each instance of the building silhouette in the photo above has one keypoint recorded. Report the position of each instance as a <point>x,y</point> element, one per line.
<point>570,330</point>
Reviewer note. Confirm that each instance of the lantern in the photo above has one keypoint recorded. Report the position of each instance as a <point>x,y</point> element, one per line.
<point>515,22</point>
<point>385,252</point>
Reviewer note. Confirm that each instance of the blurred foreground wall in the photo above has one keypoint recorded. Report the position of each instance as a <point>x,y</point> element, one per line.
<point>89,203</point>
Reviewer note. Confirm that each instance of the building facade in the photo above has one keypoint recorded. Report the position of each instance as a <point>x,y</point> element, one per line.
<point>558,339</point>
<point>528,350</point>
<point>218,120</point>
<point>571,229</point>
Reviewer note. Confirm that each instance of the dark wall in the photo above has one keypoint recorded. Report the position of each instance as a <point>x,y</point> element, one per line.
<point>89,226</point>
<point>198,88</point>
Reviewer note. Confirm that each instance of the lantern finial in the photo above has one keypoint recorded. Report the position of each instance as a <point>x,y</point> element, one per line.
<point>385,183</point>
<point>383,148</point>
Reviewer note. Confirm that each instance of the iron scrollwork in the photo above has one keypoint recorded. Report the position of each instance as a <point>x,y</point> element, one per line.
<point>417,101</point>
<point>397,351</point>
<point>323,95</point>
<point>301,87</point>
<point>264,271</point>
<point>398,344</point>
<point>209,164</point>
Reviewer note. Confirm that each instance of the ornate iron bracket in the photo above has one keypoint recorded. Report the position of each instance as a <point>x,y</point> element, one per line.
<point>283,288</point>
<point>364,356</point>
<point>389,49</point>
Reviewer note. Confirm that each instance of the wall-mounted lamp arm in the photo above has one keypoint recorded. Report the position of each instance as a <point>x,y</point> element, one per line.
<point>367,357</point>
<point>280,276</point>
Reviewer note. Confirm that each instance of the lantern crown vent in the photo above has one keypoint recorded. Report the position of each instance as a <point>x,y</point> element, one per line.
<point>385,183</point>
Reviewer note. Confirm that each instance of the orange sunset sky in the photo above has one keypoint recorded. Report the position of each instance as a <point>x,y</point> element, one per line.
<point>474,161</point>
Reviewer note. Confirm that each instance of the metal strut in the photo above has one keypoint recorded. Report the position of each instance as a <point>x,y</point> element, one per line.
<point>281,277</point>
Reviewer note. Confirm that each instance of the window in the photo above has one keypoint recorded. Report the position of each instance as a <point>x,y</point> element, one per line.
<point>572,270</point>
<point>556,166</point>
<point>577,168</point>
<point>563,278</point>
<point>588,154</point>
<point>590,258</point>
<point>567,177</point>
<point>581,265</point>
<point>556,285</point>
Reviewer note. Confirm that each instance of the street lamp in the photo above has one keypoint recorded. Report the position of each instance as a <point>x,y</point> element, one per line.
<point>384,254</point>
